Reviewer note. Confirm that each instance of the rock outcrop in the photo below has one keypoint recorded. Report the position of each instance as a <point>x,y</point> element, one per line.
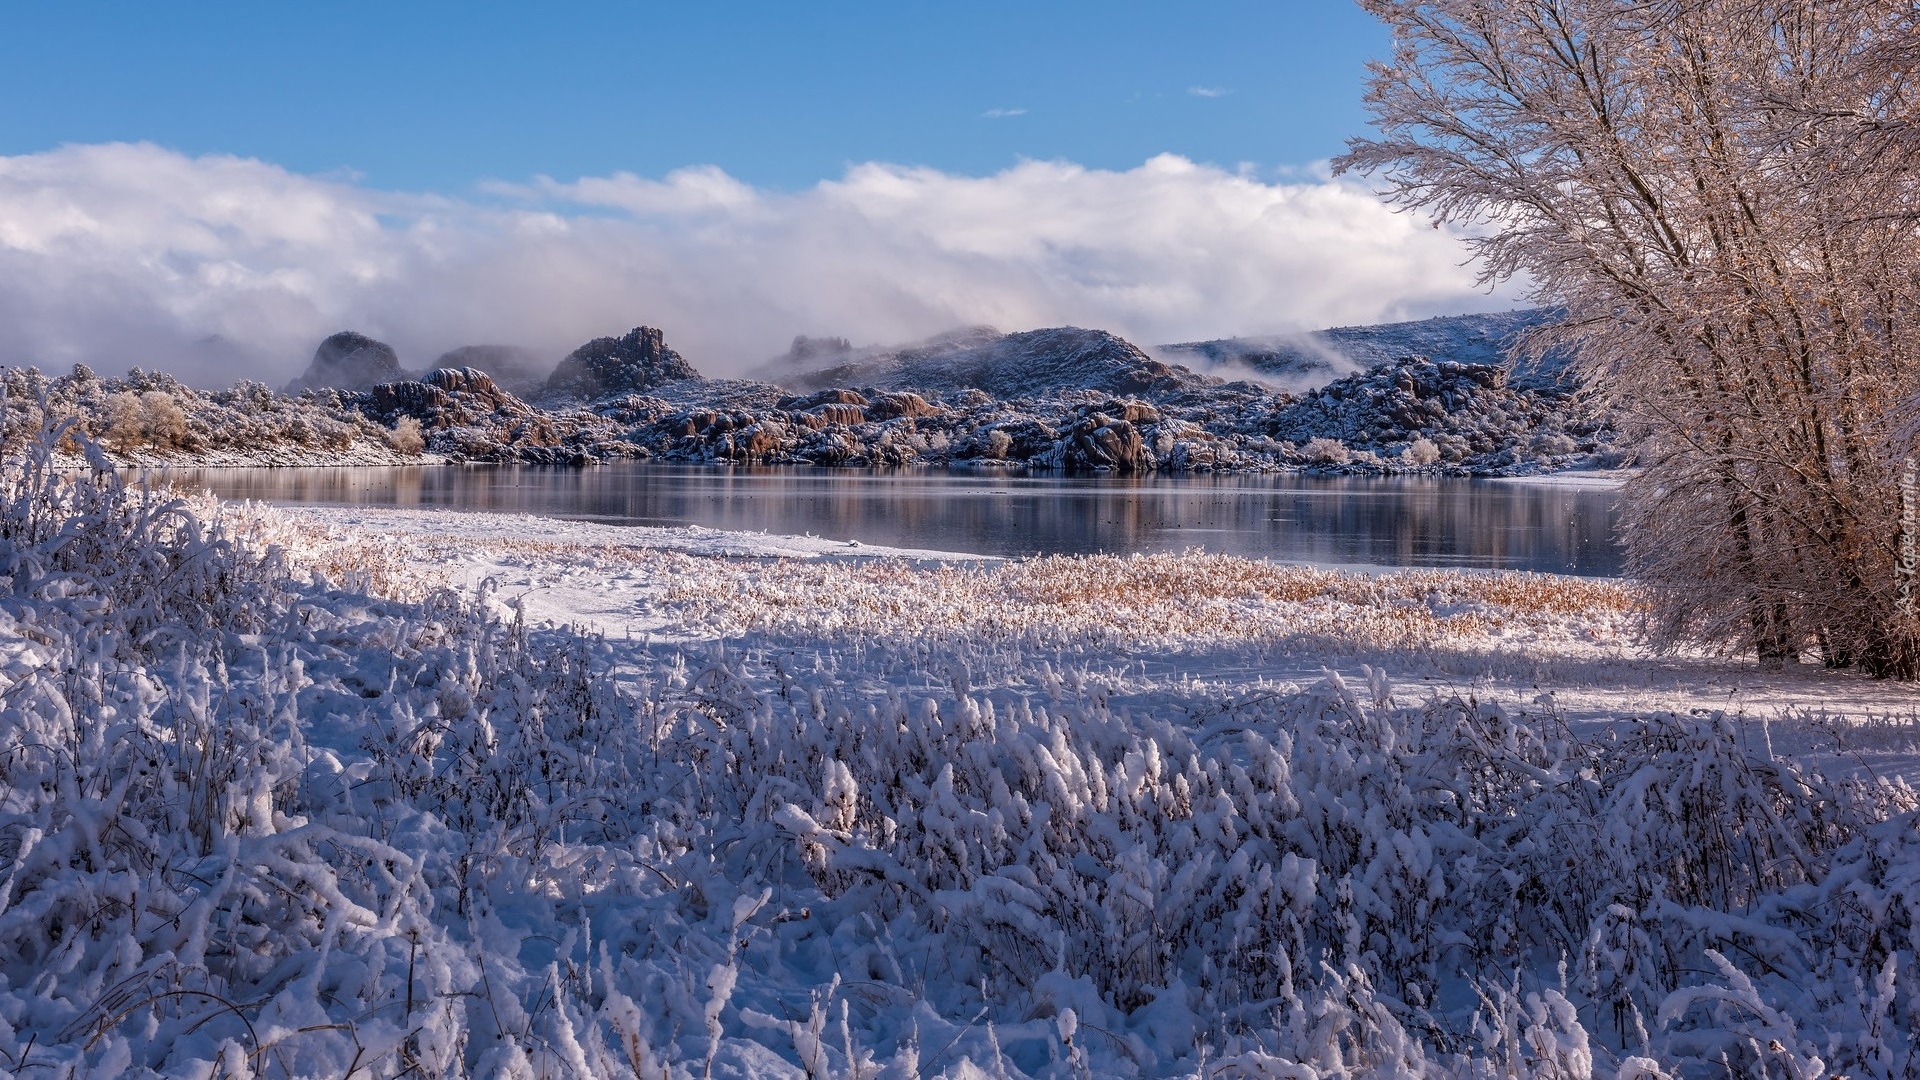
<point>1474,414</point>
<point>519,370</point>
<point>447,397</point>
<point>349,360</point>
<point>624,365</point>
<point>462,412</point>
<point>1069,399</point>
<point>1100,442</point>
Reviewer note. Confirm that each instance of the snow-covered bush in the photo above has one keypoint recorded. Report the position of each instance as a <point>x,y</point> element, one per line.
<point>1419,453</point>
<point>124,430</point>
<point>405,438</point>
<point>140,421</point>
<point>1325,452</point>
<point>1551,444</point>
<point>150,417</point>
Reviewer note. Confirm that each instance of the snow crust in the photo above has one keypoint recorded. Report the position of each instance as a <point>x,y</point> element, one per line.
<point>341,791</point>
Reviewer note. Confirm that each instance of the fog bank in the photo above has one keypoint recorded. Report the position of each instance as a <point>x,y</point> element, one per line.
<point>220,268</point>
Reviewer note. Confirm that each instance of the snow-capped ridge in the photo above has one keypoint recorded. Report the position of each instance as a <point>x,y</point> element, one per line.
<point>1027,364</point>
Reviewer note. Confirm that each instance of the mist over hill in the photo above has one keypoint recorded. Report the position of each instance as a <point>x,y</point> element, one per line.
<point>1304,361</point>
<point>1043,361</point>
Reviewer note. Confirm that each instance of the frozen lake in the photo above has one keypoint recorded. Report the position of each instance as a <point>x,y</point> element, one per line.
<point>1399,521</point>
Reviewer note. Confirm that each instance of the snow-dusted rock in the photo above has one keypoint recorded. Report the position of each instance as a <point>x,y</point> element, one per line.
<point>521,371</point>
<point>640,360</point>
<point>1047,399</point>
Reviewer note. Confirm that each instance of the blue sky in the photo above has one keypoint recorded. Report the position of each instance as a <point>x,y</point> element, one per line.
<point>436,96</point>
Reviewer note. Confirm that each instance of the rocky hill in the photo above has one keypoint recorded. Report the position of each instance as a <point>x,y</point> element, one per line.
<point>1064,398</point>
<point>1004,366</point>
<point>1413,410</point>
<point>349,360</point>
<point>637,362</point>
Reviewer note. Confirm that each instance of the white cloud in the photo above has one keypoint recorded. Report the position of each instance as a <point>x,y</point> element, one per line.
<point>1000,114</point>
<point>131,254</point>
<point>1208,91</point>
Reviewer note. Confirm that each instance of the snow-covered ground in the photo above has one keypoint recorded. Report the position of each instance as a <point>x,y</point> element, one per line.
<point>339,792</point>
<point>1224,621</point>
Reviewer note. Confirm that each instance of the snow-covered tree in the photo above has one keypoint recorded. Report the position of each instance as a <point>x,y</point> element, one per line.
<point>1719,196</point>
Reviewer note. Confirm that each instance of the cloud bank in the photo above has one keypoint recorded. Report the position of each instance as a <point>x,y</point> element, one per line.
<point>221,268</point>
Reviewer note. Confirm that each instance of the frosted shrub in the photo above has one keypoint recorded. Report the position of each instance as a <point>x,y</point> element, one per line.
<point>1419,454</point>
<point>332,434</point>
<point>189,881</point>
<point>147,414</point>
<point>1326,452</point>
<point>1418,851</point>
<point>125,429</point>
<point>405,438</point>
<point>148,420</point>
<point>1551,444</point>
<point>166,424</point>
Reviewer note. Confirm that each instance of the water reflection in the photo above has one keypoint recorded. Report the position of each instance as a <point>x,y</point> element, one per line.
<point>1389,521</point>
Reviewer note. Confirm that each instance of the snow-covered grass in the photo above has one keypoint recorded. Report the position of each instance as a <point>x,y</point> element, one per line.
<point>287,800</point>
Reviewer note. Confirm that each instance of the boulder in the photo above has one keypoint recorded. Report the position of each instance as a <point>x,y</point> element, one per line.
<point>517,370</point>
<point>902,403</point>
<point>849,414</point>
<point>427,404</point>
<point>757,441</point>
<point>1102,442</point>
<point>1133,412</point>
<point>833,396</point>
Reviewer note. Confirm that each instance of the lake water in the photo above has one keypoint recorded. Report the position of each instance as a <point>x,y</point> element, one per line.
<point>1333,520</point>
